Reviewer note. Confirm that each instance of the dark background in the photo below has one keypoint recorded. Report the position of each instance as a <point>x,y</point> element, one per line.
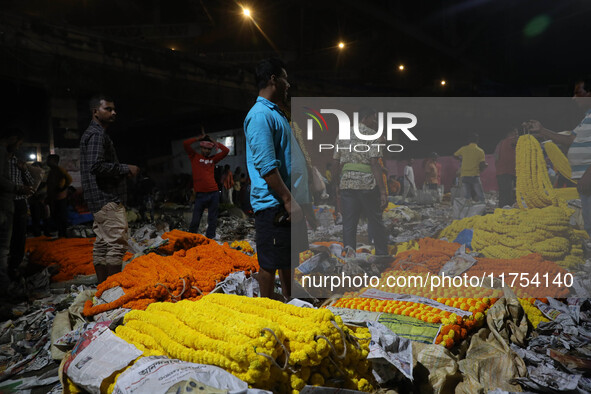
<point>481,48</point>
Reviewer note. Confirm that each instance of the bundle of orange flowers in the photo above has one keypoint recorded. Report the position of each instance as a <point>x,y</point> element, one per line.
<point>184,275</point>
<point>180,240</point>
<point>72,255</point>
<point>430,257</point>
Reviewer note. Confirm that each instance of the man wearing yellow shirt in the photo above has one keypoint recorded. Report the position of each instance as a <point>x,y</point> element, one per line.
<point>472,157</point>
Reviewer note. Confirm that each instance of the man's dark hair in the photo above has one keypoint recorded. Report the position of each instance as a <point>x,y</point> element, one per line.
<point>586,81</point>
<point>12,137</point>
<point>474,137</point>
<point>95,101</point>
<point>53,157</point>
<point>265,69</point>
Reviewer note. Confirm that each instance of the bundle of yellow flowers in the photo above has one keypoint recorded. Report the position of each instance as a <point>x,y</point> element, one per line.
<point>534,316</point>
<point>243,246</point>
<point>513,233</point>
<point>558,159</point>
<point>266,343</point>
<point>533,187</point>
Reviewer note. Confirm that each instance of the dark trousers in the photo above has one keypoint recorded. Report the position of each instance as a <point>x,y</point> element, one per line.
<point>19,235</point>
<point>5,233</point>
<point>506,192</point>
<point>353,202</point>
<point>211,201</point>
<point>39,224</point>
<point>59,216</point>
<point>279,245</point>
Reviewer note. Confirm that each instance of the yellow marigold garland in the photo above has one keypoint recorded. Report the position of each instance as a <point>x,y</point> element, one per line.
<point>558,159</point>
<point>513,233</point>
<point>266,343</point>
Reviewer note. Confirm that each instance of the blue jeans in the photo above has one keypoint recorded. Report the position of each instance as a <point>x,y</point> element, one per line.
<point>472,184</point>
<point>353,202</point>
<point>211,201</point>
<point>586,211</point>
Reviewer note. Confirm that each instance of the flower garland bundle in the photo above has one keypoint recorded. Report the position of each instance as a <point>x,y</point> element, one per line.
<point>72,255</point>
<point>181,240</point>
<point>558,159</point>
<point>244,246</point>
<point>533,188</point>
<point>185,274</point>
<point>534,316</point>
<point>513,233</point>
<point>429,255</point>
<point>268,344</point>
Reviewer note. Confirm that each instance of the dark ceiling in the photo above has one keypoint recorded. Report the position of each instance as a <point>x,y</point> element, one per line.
<point>480,47</point>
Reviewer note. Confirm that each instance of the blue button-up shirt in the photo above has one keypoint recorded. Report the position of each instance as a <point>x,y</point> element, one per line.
<point>268,146</point>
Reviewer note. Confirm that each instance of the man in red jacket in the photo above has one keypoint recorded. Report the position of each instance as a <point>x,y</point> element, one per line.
<point>204,185</point>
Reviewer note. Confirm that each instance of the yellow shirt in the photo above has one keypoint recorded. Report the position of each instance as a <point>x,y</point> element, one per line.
<point>471,156</point>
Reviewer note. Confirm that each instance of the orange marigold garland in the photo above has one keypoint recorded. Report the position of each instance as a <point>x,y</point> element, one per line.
<point>187,274</point>
<point>181,240</point>
<point>72,255</point>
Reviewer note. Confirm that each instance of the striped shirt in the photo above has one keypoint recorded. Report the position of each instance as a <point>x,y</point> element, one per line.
<point>19,177</point>
<point>579,153</point>
<point>103,177</point>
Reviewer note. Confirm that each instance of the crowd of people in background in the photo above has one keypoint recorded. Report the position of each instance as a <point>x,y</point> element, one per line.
<point>356,184</point>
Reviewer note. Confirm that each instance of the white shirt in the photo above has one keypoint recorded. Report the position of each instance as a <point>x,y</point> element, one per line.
<point>409,176</point>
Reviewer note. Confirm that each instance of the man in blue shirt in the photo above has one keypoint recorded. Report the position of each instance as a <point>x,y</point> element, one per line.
<point>268,157</point>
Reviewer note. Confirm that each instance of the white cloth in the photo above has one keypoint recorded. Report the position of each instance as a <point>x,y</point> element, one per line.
<point>409,177</point>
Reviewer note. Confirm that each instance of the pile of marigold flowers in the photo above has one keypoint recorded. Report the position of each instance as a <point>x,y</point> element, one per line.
<point>72,255</point>
<point>514,233</point>
<point>186,274</point>
<point>268,344</point>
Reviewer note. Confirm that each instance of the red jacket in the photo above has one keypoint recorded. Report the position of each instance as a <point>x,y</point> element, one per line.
<point>203,167</point>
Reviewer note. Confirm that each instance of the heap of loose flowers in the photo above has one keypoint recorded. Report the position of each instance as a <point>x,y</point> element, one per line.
<point>514,233</point>
<point>73,256</point>
<point>268,344</point>
<point>185,274</point>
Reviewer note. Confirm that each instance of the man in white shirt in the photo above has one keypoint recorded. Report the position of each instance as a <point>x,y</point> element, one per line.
<point>409,180</point>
